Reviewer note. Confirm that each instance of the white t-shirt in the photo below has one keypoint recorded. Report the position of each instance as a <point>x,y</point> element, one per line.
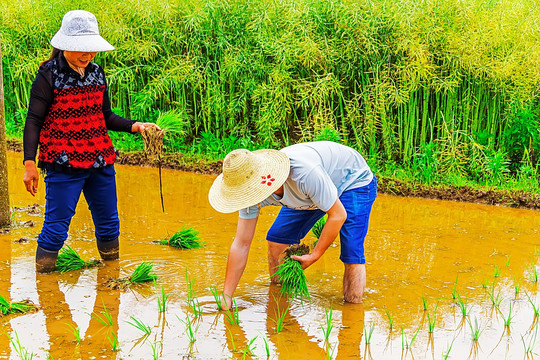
<point>320,172</point>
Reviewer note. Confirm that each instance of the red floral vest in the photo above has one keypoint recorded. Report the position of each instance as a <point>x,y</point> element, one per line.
<point>74,133</point>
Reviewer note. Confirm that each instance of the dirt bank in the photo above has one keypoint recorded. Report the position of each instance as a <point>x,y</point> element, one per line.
<point>183,162</point>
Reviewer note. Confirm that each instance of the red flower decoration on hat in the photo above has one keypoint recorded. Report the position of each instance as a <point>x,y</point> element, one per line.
<point>268,180</point>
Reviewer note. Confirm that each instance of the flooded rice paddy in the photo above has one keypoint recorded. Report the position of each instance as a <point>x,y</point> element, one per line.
<point>440,274</point>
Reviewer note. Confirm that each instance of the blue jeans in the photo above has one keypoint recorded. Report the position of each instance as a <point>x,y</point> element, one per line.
<point>62,195</point>
<point>292,225</point>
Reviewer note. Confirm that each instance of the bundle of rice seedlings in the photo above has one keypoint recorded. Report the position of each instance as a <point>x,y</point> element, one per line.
<point>153,142</point>
<point>187,238</point>
<point>142,273</point>
<point>21,307</point>
<point>290,272</point>
<point>68,259</point>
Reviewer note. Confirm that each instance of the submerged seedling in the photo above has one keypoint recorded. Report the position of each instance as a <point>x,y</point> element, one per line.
<point>143,273</point>
<point>280,317</point>
<point>69,259</point>
<point>390,319</point>
<point>475,329</point>
<point>232,316</point>
<point>138,324</point>
<point>20,307</point>
<point>217,298</point>
<point>368,332</point>
<point>328,328</point>
<point>292,276</point>
<point>186,238</point>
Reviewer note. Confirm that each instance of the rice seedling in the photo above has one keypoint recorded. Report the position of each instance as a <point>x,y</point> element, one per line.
<point>327,329</point>
<point>390,319</point>
<point>528,346</point>
<point>507,263</point>
<point>446,353</point>
<point>535,308</point>
<point>496,271</point>
<point>475,329</point>
<point>105,318</point>
<point>424,302</point>
<point>19,349</point>
<point>68,260</point>
<point>280,317</point>
<point>76,332</point>
<point>232,316</point>
<point>186,238</point>
<point>495,298</point>
<point>405,343</point>
<point>317,228</point>
<point>162,300</point>
<point>462,306</point>
<point>329,351</point>
<point>138,324</point>
<point>368,332</point>
<point>156,349</point>
<point>249,350</point>
<point>432,319</point>
<point>507,319</point>
<point>190,287</point>
<point>292,276</point>
<point>217,298</point>
<point>195,307</point>
<point>153,142</point>
<point>533,273</point>
<point>18,307</point>
<point>454,291</point>
<point>266,347</point>
<point>143,273</point>
<point>190,331</point>
<point>113,340</point>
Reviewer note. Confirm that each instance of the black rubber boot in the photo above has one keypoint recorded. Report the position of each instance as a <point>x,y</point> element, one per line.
<point>45,260</point>
<point>108,250</point>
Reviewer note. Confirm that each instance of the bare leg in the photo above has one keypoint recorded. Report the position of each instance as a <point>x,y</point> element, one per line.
<point>354,282</point>
<point>274,250</point>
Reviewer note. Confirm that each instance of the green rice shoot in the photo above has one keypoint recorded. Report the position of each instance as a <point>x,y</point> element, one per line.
<point>19,307</point>
<point>317,229</point>
<point>143,273</point>
<point>292,277</point>
<point>69,259</point>
<point>186,238</point>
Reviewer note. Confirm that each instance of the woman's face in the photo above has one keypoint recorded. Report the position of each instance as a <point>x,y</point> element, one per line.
<point>79,59</point>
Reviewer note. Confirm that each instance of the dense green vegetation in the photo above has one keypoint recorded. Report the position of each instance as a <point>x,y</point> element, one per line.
<point>437,90</point>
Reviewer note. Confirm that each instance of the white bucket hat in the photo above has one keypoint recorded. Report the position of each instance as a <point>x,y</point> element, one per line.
<point>248,178</point>
<point>79,32</point>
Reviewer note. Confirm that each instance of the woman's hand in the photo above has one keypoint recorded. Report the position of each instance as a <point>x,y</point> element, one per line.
<point>140,127</point>
<point>31,177</point>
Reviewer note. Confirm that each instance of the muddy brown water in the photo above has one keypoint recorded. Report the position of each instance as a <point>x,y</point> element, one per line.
<point>437,252</point>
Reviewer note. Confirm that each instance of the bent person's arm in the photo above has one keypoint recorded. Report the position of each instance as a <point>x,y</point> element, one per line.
<point>336,217</point>
<point>237,260</point>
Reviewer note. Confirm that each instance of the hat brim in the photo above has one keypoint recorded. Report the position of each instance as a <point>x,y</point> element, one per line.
<point>81,43</point>
<point>228,199</point>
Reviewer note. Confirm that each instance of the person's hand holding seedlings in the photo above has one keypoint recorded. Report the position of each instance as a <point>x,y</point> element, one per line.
<point>336,217</point>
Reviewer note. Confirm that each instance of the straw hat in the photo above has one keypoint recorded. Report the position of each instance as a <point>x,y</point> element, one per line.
<point>79,32</point>
<point>248,178</point>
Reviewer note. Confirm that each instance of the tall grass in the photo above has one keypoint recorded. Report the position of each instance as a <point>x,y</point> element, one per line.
<point>397,80</point>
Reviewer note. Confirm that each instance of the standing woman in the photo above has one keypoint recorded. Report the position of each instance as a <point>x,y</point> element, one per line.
<point>69,114</point>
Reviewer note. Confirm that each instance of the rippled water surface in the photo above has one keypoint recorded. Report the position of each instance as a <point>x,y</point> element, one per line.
<point>472,266</point>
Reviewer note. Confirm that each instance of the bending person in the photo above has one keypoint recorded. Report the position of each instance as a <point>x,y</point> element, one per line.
<point>307,180</point>
<point>69,114</point>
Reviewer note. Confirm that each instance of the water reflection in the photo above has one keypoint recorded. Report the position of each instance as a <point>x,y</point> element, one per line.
<point>415,249</point>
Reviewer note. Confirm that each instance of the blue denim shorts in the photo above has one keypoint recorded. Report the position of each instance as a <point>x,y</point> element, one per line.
<point>292,225</point>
